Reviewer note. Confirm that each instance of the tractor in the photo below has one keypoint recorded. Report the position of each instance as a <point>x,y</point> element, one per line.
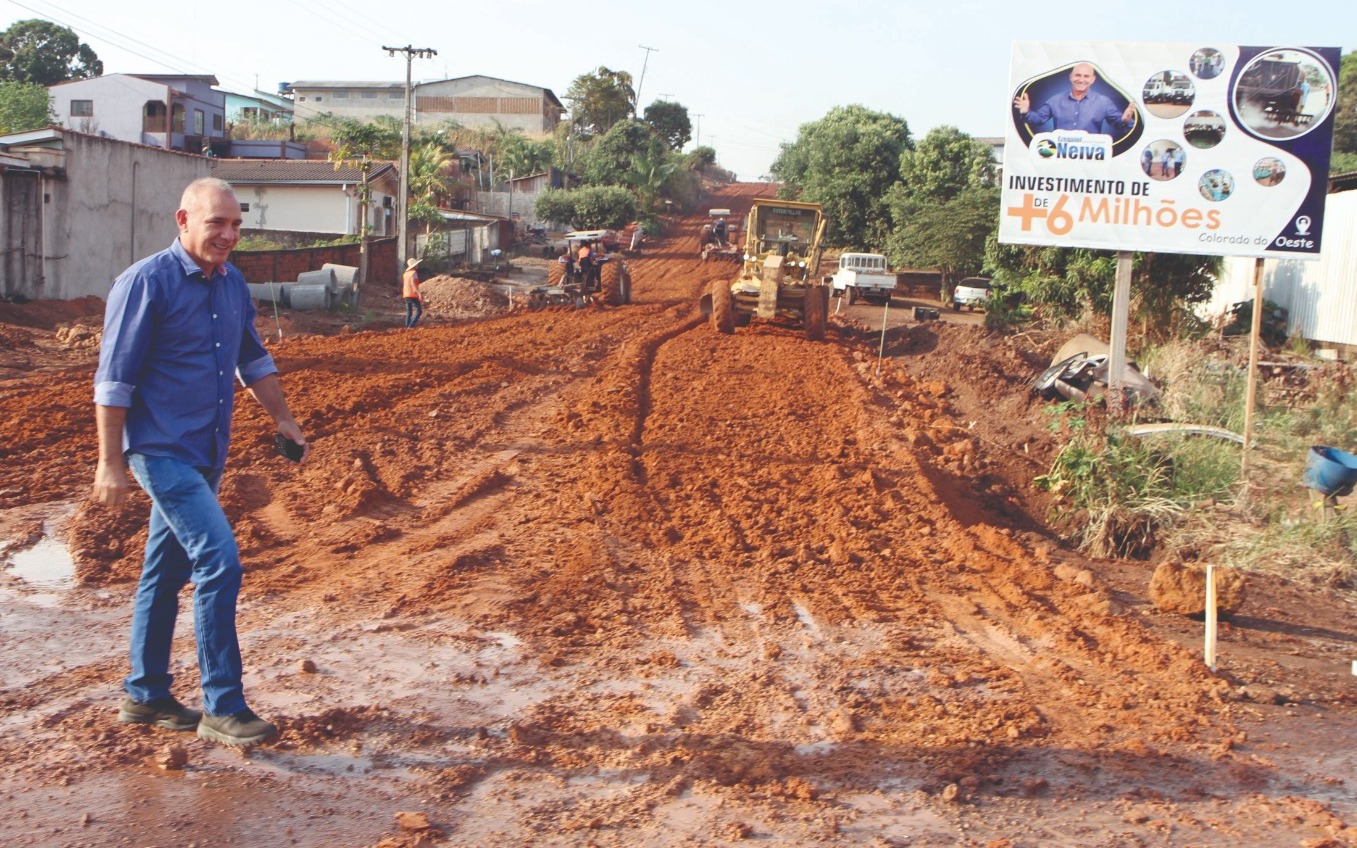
<point>778,276</point>
<point>568,282</point>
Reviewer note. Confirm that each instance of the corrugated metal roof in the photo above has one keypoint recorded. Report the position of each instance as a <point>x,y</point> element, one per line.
<point>292,171</point>
<point>1343,182</point>
<point>370,84</point>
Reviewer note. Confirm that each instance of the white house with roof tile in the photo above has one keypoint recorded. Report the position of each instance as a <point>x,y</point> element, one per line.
<point>310,196</point>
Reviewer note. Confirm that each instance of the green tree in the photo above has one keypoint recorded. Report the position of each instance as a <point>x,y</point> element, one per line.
<point>1345,116</point>
<point>24,106</point>
<point>588,208</point>
<point>610,158</point>
<point>648,177</point>
<point>522,156</point>
<point>1068,283</point>
<point>599,100</point>
<point>699,158</point>
<point>45,53</point>
<point>945,163</point>
<point>945,206</point>
<point>949,235</point>
<point>670,122</point>
<point>431,168</point>
<point>846,161</point>
<point>360,145</point>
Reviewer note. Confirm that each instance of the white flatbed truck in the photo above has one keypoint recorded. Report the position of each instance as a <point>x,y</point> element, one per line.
<point>862,275</point>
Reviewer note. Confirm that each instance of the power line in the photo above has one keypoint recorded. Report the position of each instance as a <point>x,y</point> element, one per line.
<point>177,64</point>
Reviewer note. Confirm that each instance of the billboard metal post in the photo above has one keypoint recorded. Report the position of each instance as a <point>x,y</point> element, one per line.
<point>1121,316</point>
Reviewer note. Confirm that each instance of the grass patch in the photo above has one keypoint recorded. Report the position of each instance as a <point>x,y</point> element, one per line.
<point>1122,496</point>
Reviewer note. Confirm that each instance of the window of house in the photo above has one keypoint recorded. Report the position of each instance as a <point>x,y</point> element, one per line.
<point>217,123</point>
<point>82,108</point>
<point>244,207</point>
<point>318,98</point>
<point>395,94</point>
<point>340,95</point>
<point>199,121</point>
<point>368,95</point>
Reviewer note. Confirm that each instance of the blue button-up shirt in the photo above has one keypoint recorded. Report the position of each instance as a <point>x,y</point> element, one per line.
<point>1087,114</point>
<point>174,340</point>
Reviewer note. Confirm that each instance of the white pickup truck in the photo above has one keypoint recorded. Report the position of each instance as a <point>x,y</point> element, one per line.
<point>864,275</point>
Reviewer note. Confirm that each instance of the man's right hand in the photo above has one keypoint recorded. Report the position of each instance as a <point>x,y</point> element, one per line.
<point>111,484</point>
<point>1022,103</point>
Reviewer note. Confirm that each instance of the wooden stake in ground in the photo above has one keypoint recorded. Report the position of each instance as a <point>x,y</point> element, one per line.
<point>273,295</point>
<point>881,352</point>
<point>1211,617</point>
<point>1254,340</point>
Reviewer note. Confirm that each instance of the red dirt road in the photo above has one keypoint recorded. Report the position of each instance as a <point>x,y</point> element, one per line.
<point>605,577</point>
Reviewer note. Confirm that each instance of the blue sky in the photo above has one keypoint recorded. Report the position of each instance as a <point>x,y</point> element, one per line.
<point>754,71</point>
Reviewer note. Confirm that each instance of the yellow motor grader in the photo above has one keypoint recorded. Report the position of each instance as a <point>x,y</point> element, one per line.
<point>779,271</point>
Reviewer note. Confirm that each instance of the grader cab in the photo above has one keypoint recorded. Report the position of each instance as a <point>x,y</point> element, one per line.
<point>778,278</point>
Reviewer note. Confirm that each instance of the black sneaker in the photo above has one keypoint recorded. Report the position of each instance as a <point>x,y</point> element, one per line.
<point>243,728</point>
<point>165,712</point>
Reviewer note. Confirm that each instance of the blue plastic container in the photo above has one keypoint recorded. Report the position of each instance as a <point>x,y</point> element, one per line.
<point>1330,471</point>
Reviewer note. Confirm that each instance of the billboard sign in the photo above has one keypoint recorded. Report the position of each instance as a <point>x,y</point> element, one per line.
<point>1174,148</point>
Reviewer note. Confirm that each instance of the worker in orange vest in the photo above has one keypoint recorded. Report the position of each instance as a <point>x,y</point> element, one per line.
<point>414,301</point>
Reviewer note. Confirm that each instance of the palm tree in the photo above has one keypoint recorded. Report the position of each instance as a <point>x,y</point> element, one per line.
<point>358,145</point>
<point>647,176</point>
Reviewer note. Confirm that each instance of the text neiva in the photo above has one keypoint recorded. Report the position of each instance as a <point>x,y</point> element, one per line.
<point>1073,146</point>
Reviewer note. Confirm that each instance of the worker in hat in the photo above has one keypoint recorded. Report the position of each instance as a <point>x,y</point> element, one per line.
<point>414,301</point>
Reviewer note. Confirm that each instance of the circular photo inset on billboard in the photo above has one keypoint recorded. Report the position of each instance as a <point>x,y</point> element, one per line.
<point>1269,171</point>
<point>1204,129</point>
<point>1077,98</point>
<point>1207,63</point>
<point>1168,94</point>
<point>1284,93</point>
<point>1163,159</point>
<point>1216,185</point>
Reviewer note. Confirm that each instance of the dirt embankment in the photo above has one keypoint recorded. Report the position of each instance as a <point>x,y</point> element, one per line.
<point>605,577</point>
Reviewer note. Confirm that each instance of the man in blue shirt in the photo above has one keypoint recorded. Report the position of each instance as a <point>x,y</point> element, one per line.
<point>1080,108</point>
<point>178,328</point>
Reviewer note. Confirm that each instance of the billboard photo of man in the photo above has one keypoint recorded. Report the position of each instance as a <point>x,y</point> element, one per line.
<point>1080,104</point>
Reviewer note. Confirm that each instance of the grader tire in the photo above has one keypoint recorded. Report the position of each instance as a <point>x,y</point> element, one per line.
<point>722,308</point>
<point>610,284</point>
<point>816,308</point>
<point>555,274</point>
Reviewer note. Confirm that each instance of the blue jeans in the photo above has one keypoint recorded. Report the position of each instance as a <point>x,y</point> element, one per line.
<point>190,540</point>
<point>413,307</point>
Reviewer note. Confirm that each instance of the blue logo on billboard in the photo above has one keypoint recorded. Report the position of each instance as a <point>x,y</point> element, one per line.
<point>1073,146</point>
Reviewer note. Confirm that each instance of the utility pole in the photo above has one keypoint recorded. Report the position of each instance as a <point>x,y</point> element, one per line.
<point>642,82</point>
<point>697,142</point>
<point>403,222</point>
